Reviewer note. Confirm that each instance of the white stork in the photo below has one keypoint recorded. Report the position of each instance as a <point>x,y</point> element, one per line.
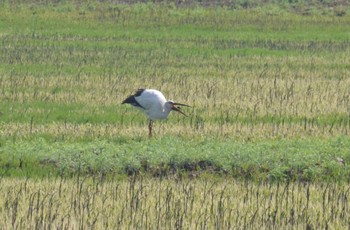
<point>153,103</point>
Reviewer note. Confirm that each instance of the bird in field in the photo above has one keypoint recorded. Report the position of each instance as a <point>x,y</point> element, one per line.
<point>153,103</point>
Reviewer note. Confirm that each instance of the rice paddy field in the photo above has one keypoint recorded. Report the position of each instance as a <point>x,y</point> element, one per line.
<point>265,144</point>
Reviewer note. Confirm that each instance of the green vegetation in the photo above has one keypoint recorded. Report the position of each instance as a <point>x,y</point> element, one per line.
<point>274,160</point>
<point>269,85</point>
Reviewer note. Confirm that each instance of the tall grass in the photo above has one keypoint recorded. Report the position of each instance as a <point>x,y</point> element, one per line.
<point>100,203</point>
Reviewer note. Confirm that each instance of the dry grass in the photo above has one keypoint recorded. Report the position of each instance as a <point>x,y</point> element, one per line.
<point>249,105</point>
<point>196,129</point>
<point>96,203</point>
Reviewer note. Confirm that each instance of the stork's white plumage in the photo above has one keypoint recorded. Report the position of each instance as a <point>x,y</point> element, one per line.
<point>153,103</point>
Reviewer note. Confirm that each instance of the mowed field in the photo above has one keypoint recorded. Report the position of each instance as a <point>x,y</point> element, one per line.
<point>269,87</point>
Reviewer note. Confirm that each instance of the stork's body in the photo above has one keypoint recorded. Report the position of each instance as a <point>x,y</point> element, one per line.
<point>153,103</point>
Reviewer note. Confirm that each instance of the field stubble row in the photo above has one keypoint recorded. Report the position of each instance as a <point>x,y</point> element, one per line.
<point>269,98</point>
<point>97,203</point>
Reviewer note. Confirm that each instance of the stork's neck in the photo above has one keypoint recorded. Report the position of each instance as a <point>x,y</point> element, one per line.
<point>166,108</point>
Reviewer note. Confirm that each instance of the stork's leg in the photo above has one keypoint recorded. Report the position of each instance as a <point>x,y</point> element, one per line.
<point>150,124</point>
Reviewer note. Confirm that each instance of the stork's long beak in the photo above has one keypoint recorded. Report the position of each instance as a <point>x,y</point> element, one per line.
<point>177,109</point>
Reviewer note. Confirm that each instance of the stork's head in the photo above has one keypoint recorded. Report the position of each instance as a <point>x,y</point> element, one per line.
<point>175,106</point>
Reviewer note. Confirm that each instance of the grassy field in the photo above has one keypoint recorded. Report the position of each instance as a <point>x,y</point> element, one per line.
<point>269,86</point>
<point>265,145</point>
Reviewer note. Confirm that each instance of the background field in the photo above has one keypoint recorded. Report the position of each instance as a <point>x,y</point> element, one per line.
<point>269,85</point>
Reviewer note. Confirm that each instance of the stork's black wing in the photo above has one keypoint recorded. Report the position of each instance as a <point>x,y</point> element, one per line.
<point>131,99</point>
